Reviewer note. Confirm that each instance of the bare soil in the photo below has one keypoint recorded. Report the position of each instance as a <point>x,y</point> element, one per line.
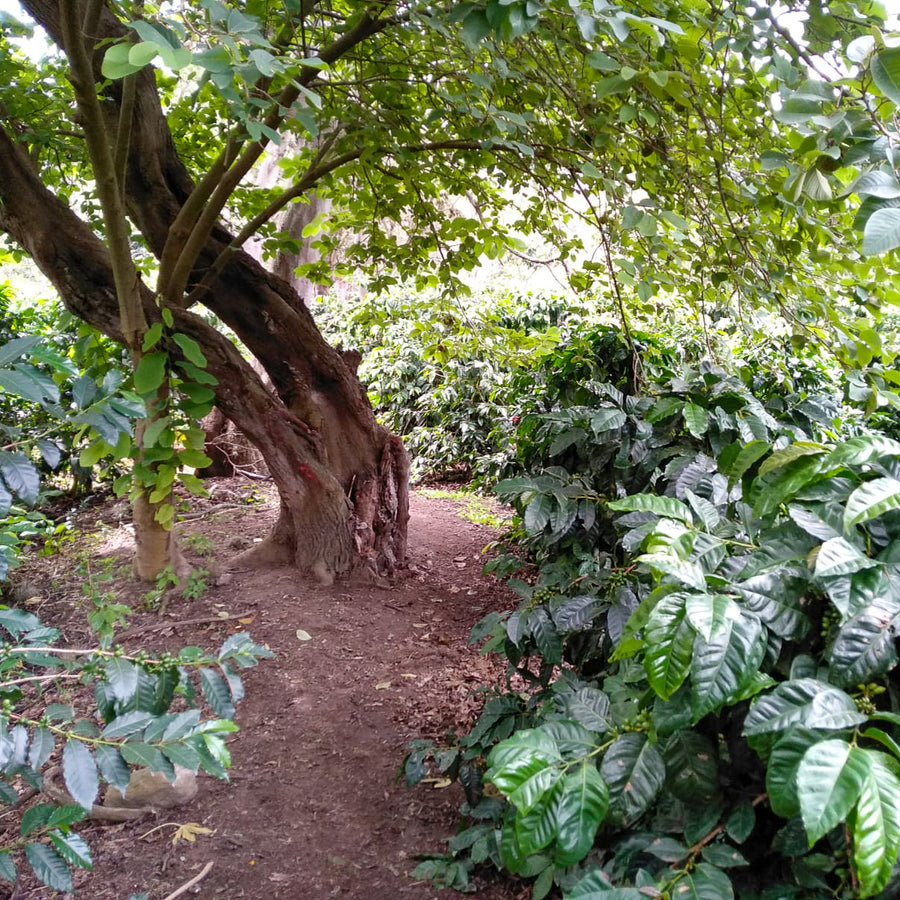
<point>313,808</point>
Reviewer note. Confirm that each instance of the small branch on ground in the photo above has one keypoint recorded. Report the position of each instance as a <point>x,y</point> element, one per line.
<point>159,626</point>
<point>189,884</point>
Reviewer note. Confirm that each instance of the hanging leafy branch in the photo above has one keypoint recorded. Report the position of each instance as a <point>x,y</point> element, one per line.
<point>131,726</point>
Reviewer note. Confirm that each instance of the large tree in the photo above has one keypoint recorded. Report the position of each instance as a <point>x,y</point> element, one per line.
<point>646,123</point>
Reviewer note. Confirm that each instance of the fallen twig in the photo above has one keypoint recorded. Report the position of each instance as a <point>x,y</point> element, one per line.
<point>219,507</point>
<point>189,884</point>
<point>159,626</point>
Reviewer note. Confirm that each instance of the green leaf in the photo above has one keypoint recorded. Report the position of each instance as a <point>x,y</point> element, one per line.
<point>865,646</point>
<point>577,613</point>
<point>596,886</point>
<point>669,645</point>
<point>73,849</point>
<point>692,767</point>
<point>546,638</point>
<point>721,666</point>
<point>537,829</point>
<point>7,867</point>
<point>589,707</point>
<point>696,419</point>
<point>80,773</point>
<point>770,493</point>
<point>191,349</point>
<point>607,419</point>
<point>16,349</point>
<point>537,513</point>
<point>543,884</point>
<point>84,389</point>
<point>150,373</point>
<point>122,678</point>
<point>830,778</point>
<point>516,758</point>
<point>802,701</point>
<point>42,744</point>
<point>704,883</point>
<point>885,71</point>
<point>635,773</point>
<point>858,451</point>
<point>140,54</point>
<point>49,867</point>
<point>789,454</point>
<point>781,770</point>
<point>140,754</point>
<point>711,613</point>
<point>475,27</point>
<point>777,600</point>
<point>667,507</point>
<point>578,810</point>
<point>870,500</point>
<point>66,815</point>
<point>745,457</point>
<point>875,184</point>
<point>50,451</point>
<point>876,825</point>
<point>20,475</point>
<point>181,724</point>
<point>183,755</point>
<point>35,817</point>
<point>667,849</point>
<point>116,64</point>
<point>741,822</point>
<point>664,408</point>
<point>151,338</point>
<point>216,693</point>
<point>839,557</point>
<point>22,384</point>
<point>688,573</point>
<point>153,431</point>
<point>113,767</point>
<point>539,782</point>
<point>126,724</point>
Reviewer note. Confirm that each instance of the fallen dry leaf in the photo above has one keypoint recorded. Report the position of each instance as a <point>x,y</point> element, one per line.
<point>189,831</point>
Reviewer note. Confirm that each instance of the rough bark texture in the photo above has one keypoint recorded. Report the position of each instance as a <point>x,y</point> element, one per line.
<point>342,478</point>
<point>155,547</point>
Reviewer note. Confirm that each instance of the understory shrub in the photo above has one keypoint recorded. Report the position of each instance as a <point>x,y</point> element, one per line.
<point>145,713</point>
<point>443,375</point>
<point>702,695</point>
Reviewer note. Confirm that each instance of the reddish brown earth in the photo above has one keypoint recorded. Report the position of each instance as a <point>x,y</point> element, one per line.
<point>313,808</point>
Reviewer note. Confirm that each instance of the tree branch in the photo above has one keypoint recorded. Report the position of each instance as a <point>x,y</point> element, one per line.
<point>202,210</point>
<point>132,320</point>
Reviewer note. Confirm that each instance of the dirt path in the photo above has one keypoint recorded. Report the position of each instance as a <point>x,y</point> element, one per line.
<point>314,809</point>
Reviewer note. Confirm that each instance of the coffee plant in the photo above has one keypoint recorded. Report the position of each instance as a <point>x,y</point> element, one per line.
<point>442,373</point>
<point>53,418</point>
<point>702,697</point>
<point>145,712</point>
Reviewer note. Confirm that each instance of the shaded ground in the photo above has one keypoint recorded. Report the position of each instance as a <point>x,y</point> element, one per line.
<point>313,808</point>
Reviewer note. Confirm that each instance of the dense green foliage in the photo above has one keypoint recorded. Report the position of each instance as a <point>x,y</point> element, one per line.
<point>704,651</point>
<point>63,408</point>
<point>445,374</point>
<point>129,723</point>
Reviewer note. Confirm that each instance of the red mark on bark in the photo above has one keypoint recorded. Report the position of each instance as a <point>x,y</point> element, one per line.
<point>306,472</point>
